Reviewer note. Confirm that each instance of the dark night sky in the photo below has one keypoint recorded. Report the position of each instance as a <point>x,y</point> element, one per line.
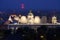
<point>30,4</point>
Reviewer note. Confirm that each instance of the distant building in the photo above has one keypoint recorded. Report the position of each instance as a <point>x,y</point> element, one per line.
<point>37,20</point>
<point>23,19</point>
<point>30,17</point>
<point>44,19</point>
<point>54,19</point>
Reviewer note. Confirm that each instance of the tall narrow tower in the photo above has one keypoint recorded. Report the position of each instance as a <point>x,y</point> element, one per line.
<point>22,6</point>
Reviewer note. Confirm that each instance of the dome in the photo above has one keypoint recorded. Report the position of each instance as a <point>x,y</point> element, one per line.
<point>37,20</point>
<point>23,19</point>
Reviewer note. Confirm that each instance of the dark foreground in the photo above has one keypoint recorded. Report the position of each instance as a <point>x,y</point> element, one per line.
<point>26,33</point>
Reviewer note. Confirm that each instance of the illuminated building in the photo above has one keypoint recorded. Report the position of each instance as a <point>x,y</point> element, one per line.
<point>54,19</point>
<point>30,18</point>
<point>10,19</point>
<point>23,19</point>
<point>37,20</point>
